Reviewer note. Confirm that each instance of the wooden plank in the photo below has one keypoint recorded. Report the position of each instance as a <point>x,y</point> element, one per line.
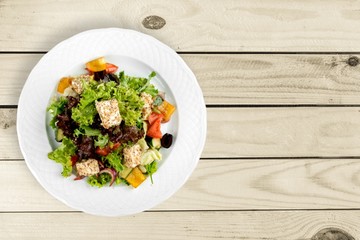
<point>230,25</point>
<point>255,132</point>
<point>8,138</point>
<point>220,185</point>
<point>14,70</point>
<point>181,225</point>
<point>238,79</point>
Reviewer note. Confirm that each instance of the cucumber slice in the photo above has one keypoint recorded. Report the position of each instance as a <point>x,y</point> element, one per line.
<point>156,143</point>
<point>59,135</point>
<point>125,172</point>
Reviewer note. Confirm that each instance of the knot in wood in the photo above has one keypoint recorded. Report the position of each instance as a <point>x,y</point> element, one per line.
<point>153,22</point>
<point>332,234</point>
<point>353,61</point>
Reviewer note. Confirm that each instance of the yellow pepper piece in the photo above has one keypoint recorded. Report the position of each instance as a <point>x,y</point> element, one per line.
<point>167,109</point>
<point>96,65</point>
<point>135,178</point>
<point>64,83</point>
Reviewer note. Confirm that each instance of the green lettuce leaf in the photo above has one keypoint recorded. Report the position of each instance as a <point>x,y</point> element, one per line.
<point>63,155</point>
<point>151,169</point>
<point>100,140</point>
<point>99,181</point>
<point>138,84</point>
<point>130,103</point>
<point>114,159</point>
<point>57,107</point>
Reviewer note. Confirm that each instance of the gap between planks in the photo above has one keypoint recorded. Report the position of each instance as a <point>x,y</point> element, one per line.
<point>218,185</point>
<point>239,80</point>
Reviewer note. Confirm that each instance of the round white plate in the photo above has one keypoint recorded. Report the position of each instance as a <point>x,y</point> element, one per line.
<point>137,54</point>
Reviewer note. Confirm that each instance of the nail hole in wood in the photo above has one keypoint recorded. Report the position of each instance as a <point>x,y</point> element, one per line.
<point>332,234</point>
<point>153,22</point>
<point>353,61</point>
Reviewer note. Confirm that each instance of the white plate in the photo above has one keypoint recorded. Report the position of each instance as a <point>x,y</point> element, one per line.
<point>137,54</point>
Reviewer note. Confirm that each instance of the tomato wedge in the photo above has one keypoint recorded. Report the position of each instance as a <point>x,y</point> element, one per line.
<point>154,116</point>
<point>154,129</point>
<point>74,159</point>
<point>111,68</point>
<point>103,151</point>
<point>115,146</point>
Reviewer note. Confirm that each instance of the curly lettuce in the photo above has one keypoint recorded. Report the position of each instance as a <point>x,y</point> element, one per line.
<point>138,84</point>
<point>63,155</point>
<point>57,107</point>
<point>99,181</point>
<point>130,103</point>
<point>100,140</point>
<point>114,159</point>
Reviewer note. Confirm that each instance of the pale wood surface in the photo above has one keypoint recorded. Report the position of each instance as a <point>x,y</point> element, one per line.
<point>201,25</point>
<point>221,185</point>
<point>238,79</point>
<point>255,132</point>
<point>281,225</point>
<point>281,160</point>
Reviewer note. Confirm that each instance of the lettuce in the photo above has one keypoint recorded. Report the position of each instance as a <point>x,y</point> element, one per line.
<point>130,103</point>
<point>114,159</point>
<point>63,155</point>
<point>151,169</point>
<point>57,107</point>
<point>138,84</point>
<point>100,141</point>
<point>99,181</point>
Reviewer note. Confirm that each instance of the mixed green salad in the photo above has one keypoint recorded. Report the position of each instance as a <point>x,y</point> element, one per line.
<point>109,125</point>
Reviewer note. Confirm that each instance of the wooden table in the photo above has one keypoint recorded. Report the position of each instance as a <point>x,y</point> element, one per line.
<point>281,80</point>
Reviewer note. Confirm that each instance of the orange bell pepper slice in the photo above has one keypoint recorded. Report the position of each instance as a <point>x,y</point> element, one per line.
<point>135,178</point>
<point>167,109</point>
<point>96,65</point>
<point>63,84</point>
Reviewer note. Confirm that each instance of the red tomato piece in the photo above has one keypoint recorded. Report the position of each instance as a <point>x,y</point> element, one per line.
<point>111,68</point>
<point>74,159</point>
<point>78,178</point>
<point>154,116</point>
<point>154,129</point>
<point>103,151</point>
<point>115,146</point>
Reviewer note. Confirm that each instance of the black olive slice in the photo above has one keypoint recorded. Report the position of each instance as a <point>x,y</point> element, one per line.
<point>166,140</point>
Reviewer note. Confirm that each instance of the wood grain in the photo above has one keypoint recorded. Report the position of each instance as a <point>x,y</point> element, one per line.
<point>255,132</point>
<point>237,79</point>
<point>201,25</point>
<point>178,225</point>
<point>220,185</point>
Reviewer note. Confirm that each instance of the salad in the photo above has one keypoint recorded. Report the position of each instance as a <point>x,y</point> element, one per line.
<point>109,126</point>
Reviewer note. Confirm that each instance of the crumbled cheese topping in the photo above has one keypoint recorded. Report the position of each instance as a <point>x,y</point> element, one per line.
<point>109,113</point>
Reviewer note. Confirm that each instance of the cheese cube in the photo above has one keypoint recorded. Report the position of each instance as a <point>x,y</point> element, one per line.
<point>109,113</point>
<point>132,156</point>
<point>147,108</point>
<point>77,83</point>
<point>88,167</point>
